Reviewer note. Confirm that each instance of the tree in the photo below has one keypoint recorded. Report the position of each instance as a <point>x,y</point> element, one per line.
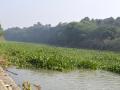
<point>1,30</point>
<point>88,33</point>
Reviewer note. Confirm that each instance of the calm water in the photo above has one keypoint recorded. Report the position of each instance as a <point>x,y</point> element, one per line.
<point>77,80</point>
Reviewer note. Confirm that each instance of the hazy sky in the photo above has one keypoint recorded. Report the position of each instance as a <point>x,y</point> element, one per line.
<point>27,12</point>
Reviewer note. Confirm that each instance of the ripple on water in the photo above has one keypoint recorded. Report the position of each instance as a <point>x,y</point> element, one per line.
<point>77,80</point>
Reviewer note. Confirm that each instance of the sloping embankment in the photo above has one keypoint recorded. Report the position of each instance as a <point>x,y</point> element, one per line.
<point>6,82</point>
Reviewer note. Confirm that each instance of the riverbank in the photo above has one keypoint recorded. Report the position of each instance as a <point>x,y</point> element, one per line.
<point>36,56</point>
<point>6,82</point>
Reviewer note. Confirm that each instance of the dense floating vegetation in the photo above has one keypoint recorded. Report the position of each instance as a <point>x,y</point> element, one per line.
<point>37,56</point>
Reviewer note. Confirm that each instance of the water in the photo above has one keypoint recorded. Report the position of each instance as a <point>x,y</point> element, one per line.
<point>76,80</point>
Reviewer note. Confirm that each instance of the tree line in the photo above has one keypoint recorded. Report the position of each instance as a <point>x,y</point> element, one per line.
<point>1,31</point>
<point>103,34</point>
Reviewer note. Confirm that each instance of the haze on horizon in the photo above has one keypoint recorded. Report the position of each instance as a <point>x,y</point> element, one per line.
<point>24,13</point>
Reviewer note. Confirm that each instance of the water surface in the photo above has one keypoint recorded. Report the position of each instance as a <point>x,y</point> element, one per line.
<point>76,80</point>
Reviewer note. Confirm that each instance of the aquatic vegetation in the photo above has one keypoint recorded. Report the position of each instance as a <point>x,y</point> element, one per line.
<point>27,55</point>
<point>26,86</point>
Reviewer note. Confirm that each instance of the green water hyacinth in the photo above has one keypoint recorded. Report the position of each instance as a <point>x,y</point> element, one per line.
<point>38,56</point>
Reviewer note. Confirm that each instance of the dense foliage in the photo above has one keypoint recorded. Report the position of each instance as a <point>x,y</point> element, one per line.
<point>88,33</point>
<point>55,58</point>
<point>1,31</point>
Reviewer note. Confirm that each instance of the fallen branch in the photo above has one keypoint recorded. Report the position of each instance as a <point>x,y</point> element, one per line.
<point>11,72</point>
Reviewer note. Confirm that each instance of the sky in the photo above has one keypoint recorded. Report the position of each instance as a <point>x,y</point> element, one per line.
<point>24,13</point>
